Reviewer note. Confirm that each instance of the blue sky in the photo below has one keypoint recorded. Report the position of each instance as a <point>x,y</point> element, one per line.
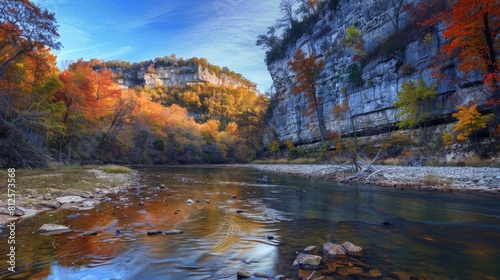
<point>222,31</point>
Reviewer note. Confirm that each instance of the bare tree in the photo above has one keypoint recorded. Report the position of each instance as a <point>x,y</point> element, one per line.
<point>287,10</point>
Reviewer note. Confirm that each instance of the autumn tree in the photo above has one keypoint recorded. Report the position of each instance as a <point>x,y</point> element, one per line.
<point>469,121</point>
<point>473,35</point>
<point>27,83</point>
<point>89,97</point>
<point>413,102</point>
<point>307,70</point>
<point>25,28</point>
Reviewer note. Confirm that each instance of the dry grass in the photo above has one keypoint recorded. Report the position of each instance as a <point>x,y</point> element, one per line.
<point>433,180</point>
<point>392,161</point>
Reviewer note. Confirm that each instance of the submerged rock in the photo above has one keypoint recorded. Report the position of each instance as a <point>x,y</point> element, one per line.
<point>307,261</point>
<point>334,250</point>
<point>265,179</point>
<point>352,249</point>
<point>311,250</point>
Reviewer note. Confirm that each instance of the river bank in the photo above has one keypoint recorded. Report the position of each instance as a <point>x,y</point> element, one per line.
<point>467,179</point>
<point>73,188</point>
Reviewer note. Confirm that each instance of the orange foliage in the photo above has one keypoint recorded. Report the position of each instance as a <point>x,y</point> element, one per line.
<point>469,121</point>
<point>473,32</point>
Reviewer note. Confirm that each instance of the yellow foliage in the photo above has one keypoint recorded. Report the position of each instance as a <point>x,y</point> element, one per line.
<point>289,145</point>
<point>275,147</point>
<point>210,130</point>
<point>469,121</point>
<point>447,139</point>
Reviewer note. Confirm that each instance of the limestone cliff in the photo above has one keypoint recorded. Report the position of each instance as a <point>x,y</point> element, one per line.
<point>371,97</point>
<point>177,76</point>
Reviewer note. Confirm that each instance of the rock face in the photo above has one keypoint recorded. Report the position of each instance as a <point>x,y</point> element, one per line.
<point>372,94</point>
<point>178,76</point>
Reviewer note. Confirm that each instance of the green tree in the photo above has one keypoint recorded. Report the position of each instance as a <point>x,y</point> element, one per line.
<point>413,102</point>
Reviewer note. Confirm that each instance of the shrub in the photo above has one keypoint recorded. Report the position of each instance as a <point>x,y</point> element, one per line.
<point>354,74</point>
<point>447,139</point>
<point>274,147</point>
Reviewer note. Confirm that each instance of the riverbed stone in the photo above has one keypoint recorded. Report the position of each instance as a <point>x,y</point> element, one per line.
<point>310,274</point>
<point>243,274</point>
<point>70,199</point>
<point>352,249</point>
<point>90,203</point>
<point>307,261</point>
<point>334,250</point>
<point>17,211</point>
<point>372,273</point>
<point>50,204</point>
<point>84,194</point>
<point>311,250</point>
<point>53,228</point>
<point>400,275</point>
<point>350,271</point>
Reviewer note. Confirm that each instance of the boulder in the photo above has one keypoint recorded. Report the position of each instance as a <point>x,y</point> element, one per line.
<point>307,261</point>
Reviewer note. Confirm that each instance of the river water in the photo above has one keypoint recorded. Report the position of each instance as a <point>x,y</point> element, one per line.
<point>235,223</point>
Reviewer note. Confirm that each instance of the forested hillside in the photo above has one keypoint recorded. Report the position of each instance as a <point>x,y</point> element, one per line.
<point>80,114</point>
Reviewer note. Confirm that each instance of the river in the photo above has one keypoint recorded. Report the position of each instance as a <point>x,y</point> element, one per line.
<point>235,223</point>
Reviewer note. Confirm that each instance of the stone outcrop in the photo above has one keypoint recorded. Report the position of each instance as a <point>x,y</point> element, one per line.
<point>383,70</point>
<point>177,76</point>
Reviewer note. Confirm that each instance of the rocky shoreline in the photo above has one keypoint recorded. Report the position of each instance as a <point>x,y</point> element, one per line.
<point>32,203</point>
<point>467,179</point>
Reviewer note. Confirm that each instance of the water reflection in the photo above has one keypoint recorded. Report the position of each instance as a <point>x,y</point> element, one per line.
<point>236,224</point>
